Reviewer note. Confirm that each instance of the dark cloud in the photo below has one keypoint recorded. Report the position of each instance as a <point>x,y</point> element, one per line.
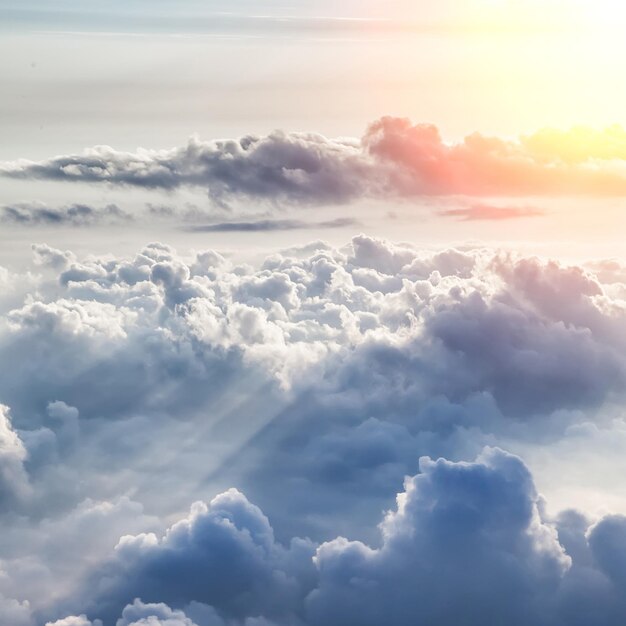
<point>297,168</point>
<point>483,514</point>
<point>272,225</point>
<point>70,215</point>
<point>467,543</point>
<point>224,555</point>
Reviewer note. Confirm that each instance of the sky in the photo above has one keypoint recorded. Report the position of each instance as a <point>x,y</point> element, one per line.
<point>312,313</point>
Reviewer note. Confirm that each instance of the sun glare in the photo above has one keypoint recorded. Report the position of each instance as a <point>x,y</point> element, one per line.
<point>560,14</point>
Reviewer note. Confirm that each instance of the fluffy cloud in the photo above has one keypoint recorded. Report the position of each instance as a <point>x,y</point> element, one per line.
<point>141,614</point>
<point>312,381</point>
<point>73,620</point>
<point>14,485</point>
<point>394,158</point>
<point>467,543</point>
<point>301,168</point>
<point>357,349</point>
<point>541,164</point>
<point>223,554</point>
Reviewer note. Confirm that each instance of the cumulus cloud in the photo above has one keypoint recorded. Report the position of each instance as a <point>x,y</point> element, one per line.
<point>13,478</point>
<point>464,312</point>
<point>74,620</point>
<point>326,340</point>
<point>393,159</point>
<point>467,543</point>
<point>312,381</point>
<point>141,614</point>
<point>223,555</point>
<point>484,515</point>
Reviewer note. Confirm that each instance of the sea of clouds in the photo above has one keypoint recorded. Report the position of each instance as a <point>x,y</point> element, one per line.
<point>316,439</point>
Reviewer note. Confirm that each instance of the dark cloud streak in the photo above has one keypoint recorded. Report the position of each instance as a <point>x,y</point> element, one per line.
<point>37,214</point>
<point>272,225</point>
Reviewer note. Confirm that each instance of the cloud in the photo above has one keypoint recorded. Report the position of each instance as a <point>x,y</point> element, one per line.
<point>489,166</point>
<point>272,225</point>
<point>491,213</point>
<point>483,514</point>
<point>326,339</point>
<point>15,612</point>
<point>141,614</point>
<point>74,620</point>
<point>467,542</point>
<point>312,381</point>
<point>394,159</point>
<point>299,168</point>
<point>70,215</point>
<point>223,554</point>
<point>14,485</point>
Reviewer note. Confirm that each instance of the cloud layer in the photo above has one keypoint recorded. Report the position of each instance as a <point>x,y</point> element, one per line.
<point>394,159</point>
<point>290,398</point>
<point>467,543</point>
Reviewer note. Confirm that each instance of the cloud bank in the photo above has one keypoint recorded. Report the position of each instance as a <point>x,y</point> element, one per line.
<point>467,543</point>
<point>289,399</point>
<point>394,159</point>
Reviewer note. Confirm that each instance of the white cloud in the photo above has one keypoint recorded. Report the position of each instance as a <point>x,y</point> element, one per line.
<point>312,381</point>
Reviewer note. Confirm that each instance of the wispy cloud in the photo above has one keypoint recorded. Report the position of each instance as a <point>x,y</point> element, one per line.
<point>272,225</point>
<point>477,212</point>
<point>29,214</point>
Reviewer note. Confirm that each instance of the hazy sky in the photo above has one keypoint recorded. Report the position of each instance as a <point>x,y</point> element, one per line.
<point>312,313</point>
<point>153,73</point>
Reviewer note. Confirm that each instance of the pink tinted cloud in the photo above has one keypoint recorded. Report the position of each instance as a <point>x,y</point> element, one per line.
<point>477,212</point>
<point>575,162</point>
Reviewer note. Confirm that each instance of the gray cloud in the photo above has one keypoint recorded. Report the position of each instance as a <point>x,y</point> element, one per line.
<point>272,225</point>
<point>318,378</point>
<point>69,215</point>
<point>297,168</point>
<point>466,543</point>
<point>223,554</point>
<point>394,159</point>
